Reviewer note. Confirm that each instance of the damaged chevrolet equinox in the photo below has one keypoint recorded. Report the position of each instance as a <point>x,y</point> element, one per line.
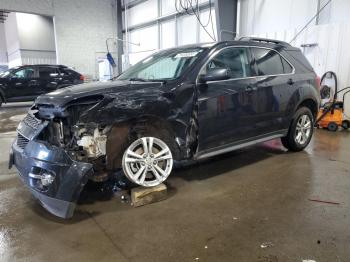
<point>180,104</point>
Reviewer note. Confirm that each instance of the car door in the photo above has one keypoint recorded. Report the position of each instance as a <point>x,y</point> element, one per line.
<point>275,81</point>
<point>225,108</point>
<point>49,79</point>
<point>22,84</point>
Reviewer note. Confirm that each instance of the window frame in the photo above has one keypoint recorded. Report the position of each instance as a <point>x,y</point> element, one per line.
<point>251,57</point>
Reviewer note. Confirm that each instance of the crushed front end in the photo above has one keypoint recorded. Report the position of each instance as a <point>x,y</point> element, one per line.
<point>56,157</point>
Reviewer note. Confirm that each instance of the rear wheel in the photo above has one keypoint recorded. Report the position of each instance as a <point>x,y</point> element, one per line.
<point>332,126</point>
<point>300,131</point>
<point>346,124</point>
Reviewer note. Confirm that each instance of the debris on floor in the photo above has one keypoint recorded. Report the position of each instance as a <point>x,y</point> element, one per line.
<point>266,244</point>
<point>325,202</point>
<point>308,260</point>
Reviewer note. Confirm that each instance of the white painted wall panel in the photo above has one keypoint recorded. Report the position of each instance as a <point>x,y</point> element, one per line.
<point>3,48</point>
<point>82,27</point>
<point>35,32</point>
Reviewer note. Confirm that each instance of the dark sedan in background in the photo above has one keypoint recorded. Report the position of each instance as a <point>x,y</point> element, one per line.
<point>25,83</point>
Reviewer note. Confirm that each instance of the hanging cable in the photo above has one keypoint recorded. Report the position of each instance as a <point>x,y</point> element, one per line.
<point>308,23</point>
<point>189,8</point>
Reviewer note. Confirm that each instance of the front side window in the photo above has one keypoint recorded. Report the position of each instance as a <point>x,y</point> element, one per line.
<point>25,73</point>
<point>167,65</point>
<point>235,59</point>
<point>269,62</point>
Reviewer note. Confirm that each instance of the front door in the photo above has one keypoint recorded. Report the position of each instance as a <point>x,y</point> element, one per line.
<point>226,108</point>
<point>23,84</point>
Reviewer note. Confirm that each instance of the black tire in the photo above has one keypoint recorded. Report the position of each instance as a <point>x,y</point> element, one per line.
<point>333,127</point>
<point>289,141</point>
<point>0,101</point>
<point>346,124</point>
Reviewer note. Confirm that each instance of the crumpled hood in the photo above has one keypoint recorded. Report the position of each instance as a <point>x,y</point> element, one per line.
<point>61,97</point>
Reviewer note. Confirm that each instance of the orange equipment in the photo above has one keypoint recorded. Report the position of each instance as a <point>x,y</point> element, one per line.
<point>331,116</point>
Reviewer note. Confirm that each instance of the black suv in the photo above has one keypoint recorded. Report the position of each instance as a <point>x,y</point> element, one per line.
<point>25,83</point>
<point>180,104</point>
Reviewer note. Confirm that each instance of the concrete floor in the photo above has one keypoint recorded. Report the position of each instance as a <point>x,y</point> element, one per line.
<point>220,210</point>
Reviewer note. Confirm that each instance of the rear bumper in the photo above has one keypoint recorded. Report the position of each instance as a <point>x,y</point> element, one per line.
<point>67,177</point>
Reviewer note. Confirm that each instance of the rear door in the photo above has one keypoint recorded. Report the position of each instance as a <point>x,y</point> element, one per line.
<point>275,83</point>
<point>70,77</point>
<point>225,112</point>
<point>49,79</point>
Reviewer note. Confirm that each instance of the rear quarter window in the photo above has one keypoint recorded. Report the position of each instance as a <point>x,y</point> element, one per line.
<point>68,72</point>
<point>300,60</point>
<point>270,62</point>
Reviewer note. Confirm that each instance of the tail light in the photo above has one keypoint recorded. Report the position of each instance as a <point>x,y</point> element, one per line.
<point>318,81</point>
<point>82,78</point>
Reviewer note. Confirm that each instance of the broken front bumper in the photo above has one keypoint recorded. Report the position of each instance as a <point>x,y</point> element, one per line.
<point>53,177</point>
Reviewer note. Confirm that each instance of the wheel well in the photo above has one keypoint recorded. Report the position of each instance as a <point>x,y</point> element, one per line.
<point>312,105</point>
<point>121,134</point>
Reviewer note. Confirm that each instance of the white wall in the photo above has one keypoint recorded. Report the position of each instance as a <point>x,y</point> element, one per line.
<point>12,41</point>
<point>3,49</point>
<point>81,26</point>
<point>30,39</point>
<point>260,16</point>
<point>35,32</point>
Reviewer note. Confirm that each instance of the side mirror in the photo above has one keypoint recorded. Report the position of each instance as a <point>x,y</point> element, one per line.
<point>215,74</point>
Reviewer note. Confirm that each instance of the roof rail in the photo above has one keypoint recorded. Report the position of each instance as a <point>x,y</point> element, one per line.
<point>264,40</point>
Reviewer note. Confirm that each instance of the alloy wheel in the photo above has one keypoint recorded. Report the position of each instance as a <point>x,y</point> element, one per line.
<point>303,130</point>
<point>147,162</point>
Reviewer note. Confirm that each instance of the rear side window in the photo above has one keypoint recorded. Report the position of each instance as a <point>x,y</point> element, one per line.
<point>68,72</point>
<point>236,59</point>
<point>47,72</point>
<point>269,62</point>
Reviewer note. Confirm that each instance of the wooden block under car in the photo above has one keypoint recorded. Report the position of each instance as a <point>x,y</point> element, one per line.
<point>141,196</point>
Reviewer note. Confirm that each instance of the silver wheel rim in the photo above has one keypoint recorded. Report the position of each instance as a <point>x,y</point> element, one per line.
<point>147,161</point>
<point>303,130</point>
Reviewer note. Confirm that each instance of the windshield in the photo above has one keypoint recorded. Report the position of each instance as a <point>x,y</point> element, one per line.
<point>166,65</point>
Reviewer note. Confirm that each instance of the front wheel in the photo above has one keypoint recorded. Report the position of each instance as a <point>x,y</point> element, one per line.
<point>147,162</point>
<point>300,131</point>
